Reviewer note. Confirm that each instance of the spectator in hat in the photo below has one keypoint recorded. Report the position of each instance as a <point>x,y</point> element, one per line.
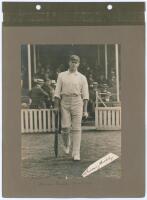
<point>72,93</point>
<point>40,74</point>
<point>48,72</point>
<point>38,95</point>
<point>47,87</point>
<point>91,103</point>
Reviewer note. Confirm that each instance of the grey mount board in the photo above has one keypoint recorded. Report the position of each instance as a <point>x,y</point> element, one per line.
<point>127,30</point>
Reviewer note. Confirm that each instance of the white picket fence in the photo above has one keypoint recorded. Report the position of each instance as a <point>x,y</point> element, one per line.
<point>43,120</point>
<point>37,120</point>
<point>108,118</point>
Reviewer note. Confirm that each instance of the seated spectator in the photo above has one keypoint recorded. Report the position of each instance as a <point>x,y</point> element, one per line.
<point>91,103</point>
<point>58,70</point>
<point>22,75</point>
<point>102,81</point>
<point>48,72</point>
<point>40,74</point>
<point>84,66</point>
<point>46,77</point>
<point>38,95</point>
<point>90,80</point>
<point>49,90</point>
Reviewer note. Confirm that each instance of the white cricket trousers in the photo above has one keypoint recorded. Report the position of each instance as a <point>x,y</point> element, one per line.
<point>71,117</point>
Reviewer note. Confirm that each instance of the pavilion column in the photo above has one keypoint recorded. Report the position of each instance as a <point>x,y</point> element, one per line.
<point>34,53</point>
<point>117,71</point>
<point>106,62</point>
<point>98,55</point>
<point>29,66</point>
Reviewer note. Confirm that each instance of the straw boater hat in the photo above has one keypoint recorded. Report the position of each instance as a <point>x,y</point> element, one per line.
<point>39,81</point>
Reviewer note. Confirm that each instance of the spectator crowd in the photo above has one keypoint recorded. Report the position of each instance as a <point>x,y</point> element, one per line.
<point>44,83</point>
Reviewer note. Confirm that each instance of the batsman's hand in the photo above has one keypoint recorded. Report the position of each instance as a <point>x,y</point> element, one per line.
<point>85,115</point>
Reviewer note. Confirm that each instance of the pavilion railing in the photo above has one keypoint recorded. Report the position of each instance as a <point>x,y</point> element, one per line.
<point>43,120</point>
<point>37,120</point>
<point>108,118</point>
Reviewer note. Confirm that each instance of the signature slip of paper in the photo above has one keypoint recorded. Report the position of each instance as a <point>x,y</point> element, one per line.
<point>100,163</point>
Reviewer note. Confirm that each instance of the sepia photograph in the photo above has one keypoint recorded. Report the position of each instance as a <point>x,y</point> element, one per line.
<point>70,111</point>
<point>73,102</point>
